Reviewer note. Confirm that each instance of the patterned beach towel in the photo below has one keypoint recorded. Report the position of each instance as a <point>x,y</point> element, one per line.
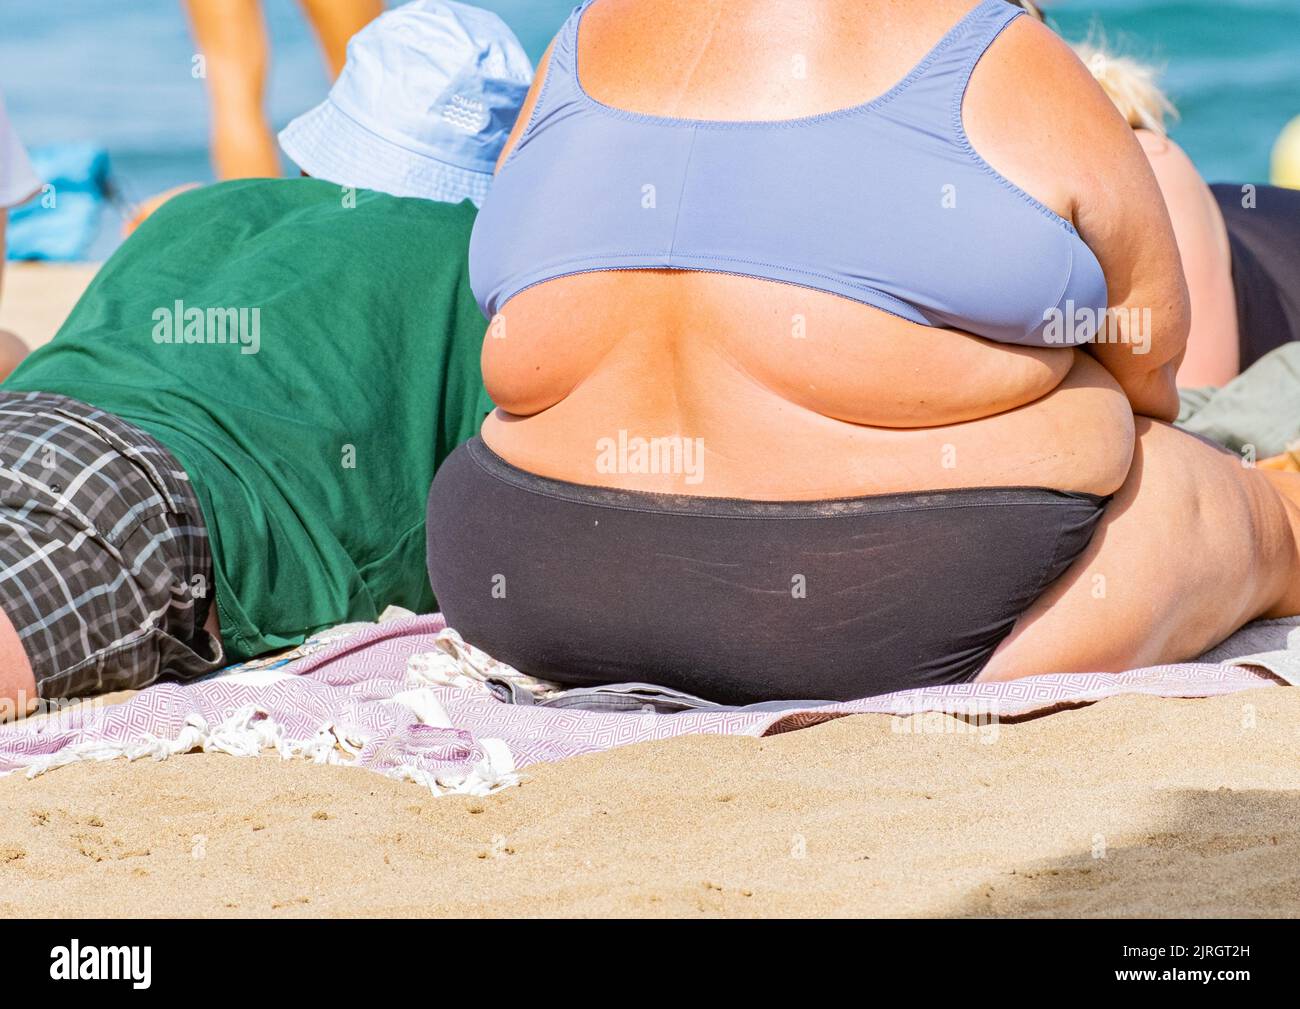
<point>407,698</point>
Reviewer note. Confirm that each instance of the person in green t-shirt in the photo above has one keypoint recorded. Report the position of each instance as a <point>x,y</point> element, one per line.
<point>230,441</point>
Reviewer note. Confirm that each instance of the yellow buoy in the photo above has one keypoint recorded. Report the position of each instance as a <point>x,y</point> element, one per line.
<point>1286,156</point>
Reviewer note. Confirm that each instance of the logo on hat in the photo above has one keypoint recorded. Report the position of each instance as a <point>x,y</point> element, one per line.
<point>466,114</point>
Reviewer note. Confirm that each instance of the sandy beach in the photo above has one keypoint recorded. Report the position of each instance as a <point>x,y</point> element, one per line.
<point>1131,807</point>
<point>35,298</point>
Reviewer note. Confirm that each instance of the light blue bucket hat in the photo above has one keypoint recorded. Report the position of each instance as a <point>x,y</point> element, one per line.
<point>423,107</point>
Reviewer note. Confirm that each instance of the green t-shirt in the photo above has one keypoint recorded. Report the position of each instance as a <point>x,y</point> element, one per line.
<point>310,354</point>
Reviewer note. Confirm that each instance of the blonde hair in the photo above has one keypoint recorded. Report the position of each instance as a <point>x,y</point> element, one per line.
<point>1131,85</point>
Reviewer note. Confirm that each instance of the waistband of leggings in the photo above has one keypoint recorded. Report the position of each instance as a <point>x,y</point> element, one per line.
<point>498,469</point>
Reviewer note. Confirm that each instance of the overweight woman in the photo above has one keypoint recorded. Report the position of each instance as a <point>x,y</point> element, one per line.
<point>805,379</point>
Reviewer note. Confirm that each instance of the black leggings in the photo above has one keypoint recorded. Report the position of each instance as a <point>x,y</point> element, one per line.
<point>741,601</point>
<point>1265,242</point>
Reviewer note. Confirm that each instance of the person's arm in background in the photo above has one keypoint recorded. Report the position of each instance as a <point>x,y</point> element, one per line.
<point>1213,348</point>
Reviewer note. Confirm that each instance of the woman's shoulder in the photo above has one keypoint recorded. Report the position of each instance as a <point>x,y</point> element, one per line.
<point>1041,76</point>
<point>1034,101</point>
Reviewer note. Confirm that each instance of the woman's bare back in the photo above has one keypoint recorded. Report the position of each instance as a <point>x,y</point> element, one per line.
<point>794,393</point>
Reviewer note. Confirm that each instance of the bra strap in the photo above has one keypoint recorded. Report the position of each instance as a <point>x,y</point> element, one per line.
<point>966,44</point>
<point>560,87</point>
<point>931,95</point>
<point>562,74</point>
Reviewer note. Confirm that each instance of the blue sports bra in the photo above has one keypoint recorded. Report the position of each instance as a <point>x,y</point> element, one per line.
<point>884,203</point>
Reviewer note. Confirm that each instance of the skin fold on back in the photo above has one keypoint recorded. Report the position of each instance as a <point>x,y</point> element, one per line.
<point>799,394</point>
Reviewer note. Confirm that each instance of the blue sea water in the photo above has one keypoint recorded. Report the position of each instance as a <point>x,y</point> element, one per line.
<point>118,74</point>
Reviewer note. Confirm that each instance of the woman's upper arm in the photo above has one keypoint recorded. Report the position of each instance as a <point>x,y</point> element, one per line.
<point>1077,144</point>
<point>1120,213</point>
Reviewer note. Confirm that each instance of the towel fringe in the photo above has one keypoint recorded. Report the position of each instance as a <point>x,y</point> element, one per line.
<point>250,731</point>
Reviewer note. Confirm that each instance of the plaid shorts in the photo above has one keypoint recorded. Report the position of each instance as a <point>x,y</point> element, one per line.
<point>105,570</point>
